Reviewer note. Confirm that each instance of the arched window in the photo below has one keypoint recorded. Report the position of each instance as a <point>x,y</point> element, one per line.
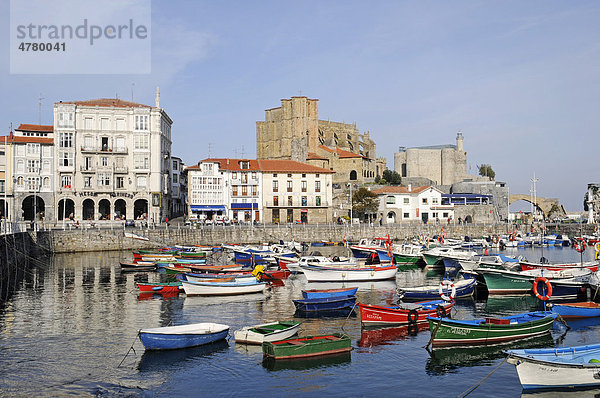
<point>353,176</point>
<point>390,200</point>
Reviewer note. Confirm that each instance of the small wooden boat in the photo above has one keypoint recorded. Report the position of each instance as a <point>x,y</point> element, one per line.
<point>325,304</point>
<point>273,331</point>
<point>585,309</point>
<point>464,288</point>
<point>309,346</point>
<point>160,287</point>
<point>318,273</point>
<point>326,293</point>
<point>174,337</point>
<point>404,313</point>
<point>215,287</point>
<point>565,367</point>
<point>591,265</point>
<point>451,332</point>
<point>137,267</point>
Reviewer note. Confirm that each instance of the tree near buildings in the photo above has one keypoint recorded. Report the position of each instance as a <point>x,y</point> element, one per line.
<point>364,202</point>
<point>486,170</point>
<point>392,177</point>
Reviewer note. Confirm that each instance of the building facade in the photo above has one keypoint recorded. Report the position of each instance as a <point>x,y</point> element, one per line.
<point>417,204</point>
<point>112,160</point>
<point>251,190</point>
<point>178,188</point>
<point>28,179</point>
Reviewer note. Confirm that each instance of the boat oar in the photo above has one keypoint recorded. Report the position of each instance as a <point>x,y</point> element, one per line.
<point>437,326</point>
<point>130,348</point>
<point>562,320</point>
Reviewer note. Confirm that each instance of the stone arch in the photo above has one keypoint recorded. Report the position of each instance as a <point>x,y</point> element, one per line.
<point>543,205</point>
<point>353,175</point>
<point>140,208</point>
<point>390,217</point>
<point>120,209</point>
<point>66,208</point>
<point>31,204</point>
<point>468,219</point>
<point>104,209</point>
<point>87,210</point>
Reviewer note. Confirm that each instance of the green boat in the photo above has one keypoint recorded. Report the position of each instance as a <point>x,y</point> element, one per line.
<point>506,282</point>
<point>407,256</point>
<point>449,332</point>
<point>192,254</point>
<point>309,346</point>
<point>431,259</point>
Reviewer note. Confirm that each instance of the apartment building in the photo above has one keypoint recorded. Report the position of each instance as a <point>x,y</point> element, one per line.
<point>399,204</point>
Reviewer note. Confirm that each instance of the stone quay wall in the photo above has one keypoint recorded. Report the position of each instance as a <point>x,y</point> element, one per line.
<point>60,241</point>
<point>18,253</point>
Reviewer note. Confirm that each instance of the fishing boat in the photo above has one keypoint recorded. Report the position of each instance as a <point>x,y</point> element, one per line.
<point>451,332</point>
<point>183,336</point>
<point>328,293</point>
<point>165,287</point>
<point>141,266</point>
<point>325,304</point>
<point>366,247</point>
<point>499,281</point>
<point>308,346</point>
<point>318,273</point>
<point>434,257</point>
<point>585,309</point>
<point>464,288</point>
<point>214,287</point>
<point>565,367</point>
<point>591,265</point>
<point>273,331</point>
<point>404,313</point>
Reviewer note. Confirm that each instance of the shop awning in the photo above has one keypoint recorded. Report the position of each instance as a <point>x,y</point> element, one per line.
<point>207,208</point>
<point>244,206</point>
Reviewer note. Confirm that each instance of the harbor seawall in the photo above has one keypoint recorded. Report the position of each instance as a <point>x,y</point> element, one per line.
<point>92,239</point>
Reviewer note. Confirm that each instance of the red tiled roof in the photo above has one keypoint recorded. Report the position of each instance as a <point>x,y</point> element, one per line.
<point>36,127</point>
<point>341,152</point>
<point>314,156</point>
<point>24,140</point>
<point>390,189</point>
<point>109,102</point>
<point>268,165</point>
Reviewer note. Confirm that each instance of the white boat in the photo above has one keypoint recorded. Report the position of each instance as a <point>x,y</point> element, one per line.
<point>566,367</point>
<point>294,266</point>
<point>274,331</point>
<point>218,288</point>
<point>319,273</point>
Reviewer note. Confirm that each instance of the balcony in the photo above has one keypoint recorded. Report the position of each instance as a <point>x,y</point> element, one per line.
<point>120,169</point>
<point>87,169</point>
<point>98,149</point>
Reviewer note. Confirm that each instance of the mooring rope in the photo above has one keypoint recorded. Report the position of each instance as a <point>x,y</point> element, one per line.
<point>129,350</point>
<point>471,389</point>
<point>348,317</point>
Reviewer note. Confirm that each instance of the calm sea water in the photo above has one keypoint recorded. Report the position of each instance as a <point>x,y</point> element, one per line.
<point>72,321</point>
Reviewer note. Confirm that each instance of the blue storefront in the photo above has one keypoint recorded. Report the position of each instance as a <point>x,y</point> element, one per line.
<point>244,212</point>
<point>208,212</point>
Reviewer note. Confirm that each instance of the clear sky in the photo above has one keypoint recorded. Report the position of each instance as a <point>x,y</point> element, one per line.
<point>519,78</point>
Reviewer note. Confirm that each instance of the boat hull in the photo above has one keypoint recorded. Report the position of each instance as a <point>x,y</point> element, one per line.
<point>221,289</point>
<point>176,337</point>
<point>327,293</point>
<point>307,346</point>
<point>325,304</point>
<point>329,274</point>
<point>463,289</point>
<point>577,310</point>
<point>396,315</point>
<point>256,334</point>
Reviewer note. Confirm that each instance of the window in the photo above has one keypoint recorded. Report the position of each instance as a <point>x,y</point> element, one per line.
<point>66,181</point>
<point>316,175</point>
<point>406,201</point>
<point>87,122</point>
<point>434,201</point>
<point>33,149</point>
<point>290,201</point>
<point>33,183</point>
<point>254,190</point>
<point>120,182</point>
<point>140,141</point>
<point>234,190</point>
<point>120,144</point>
<point>304,186</point>
<point>275,216</point>
<point>87,182</point>
<point>33,166</point>
<point>88,142</point>
<point>2,186</point>
<point>244,190</point>
<point>274,175</point>
<point>317,201</point>
<point>46,182</point>
<point>103,179</point>
<point>141,181</point>
<point>289,176</point>
<point>317,186</point>
<point>104,123</point>
<point>66,159</point>
<point>46,166</point>
<point>141,122</point>
<point>275,200</point>
<point>445,215</point>
<point>175,178</point>
<point>104,161</point>
<point>21,166</point>
<point>244,165</point>
<point>141,162</point>
<point>65,119</point>
<point>47,150</point>
<point>244,178</point>
<point>406,215</point>
<point>275,186</point>
<point>424,201</point>
<point>304,201</point>
<point>303,175</point>
<point>254,175</point>
<point>65,140</point>
<point>390,200</point>
<point>290,186</point>
<point>120,124</point>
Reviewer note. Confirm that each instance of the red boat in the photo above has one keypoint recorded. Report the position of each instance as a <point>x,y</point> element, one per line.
<point>405,313</point>
<point>591,265</point>
<point>160,287</point>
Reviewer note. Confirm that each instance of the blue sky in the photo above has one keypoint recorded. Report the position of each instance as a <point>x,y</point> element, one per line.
<point>520,79</point>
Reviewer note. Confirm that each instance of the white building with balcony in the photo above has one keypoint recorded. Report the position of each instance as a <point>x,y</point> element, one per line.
<point>404,204</point>
<point>112,160</point>
<point>178,188</point>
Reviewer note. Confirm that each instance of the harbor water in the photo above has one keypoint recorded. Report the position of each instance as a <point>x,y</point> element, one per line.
<point>72,320</point>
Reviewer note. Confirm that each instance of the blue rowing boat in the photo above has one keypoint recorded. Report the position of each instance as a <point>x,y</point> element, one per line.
<point>585,309</point>
<point>325,304</point>
<point>327,293</point>
<point>183,336</point>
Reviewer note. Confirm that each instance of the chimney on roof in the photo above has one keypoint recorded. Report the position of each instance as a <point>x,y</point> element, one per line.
<point>157,98</point>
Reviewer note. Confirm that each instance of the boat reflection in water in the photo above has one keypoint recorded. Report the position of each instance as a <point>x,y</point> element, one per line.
<point>562,393</point>
<point>343,313</point>
<point>509,304</point>
<point>449,360</point>
<point>157,296</point>
<point>385,336</point>
<point>322,361</point>
<point>159,361</point>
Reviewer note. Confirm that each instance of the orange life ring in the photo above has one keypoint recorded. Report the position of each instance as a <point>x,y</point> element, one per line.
<point>511,237</point>
<point>580,245</point>
<point>548,288</point>
<point>440,239</point>
<point>495,239</point>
